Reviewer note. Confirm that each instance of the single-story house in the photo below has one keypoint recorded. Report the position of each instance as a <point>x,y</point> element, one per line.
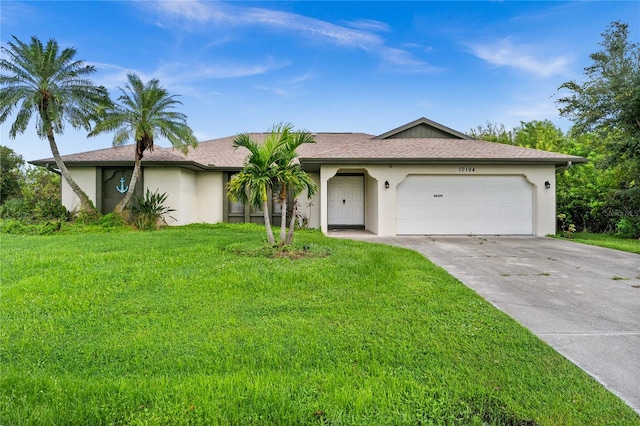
<point>421,178</point>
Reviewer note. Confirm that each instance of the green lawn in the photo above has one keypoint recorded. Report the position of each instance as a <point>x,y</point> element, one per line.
<point>604,240</point>
<point>174,327</point>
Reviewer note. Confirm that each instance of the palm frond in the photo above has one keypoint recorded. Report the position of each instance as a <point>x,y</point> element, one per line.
<point>49,82</point>
<point>143,113</point>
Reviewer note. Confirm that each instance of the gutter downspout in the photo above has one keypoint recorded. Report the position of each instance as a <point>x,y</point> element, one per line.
<point>563,168</point>
<point>51,169</point>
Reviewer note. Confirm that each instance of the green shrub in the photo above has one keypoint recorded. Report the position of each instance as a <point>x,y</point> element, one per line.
<point>49,227</point>
<point>149,210</point>
<point>43,217</point>
<point>628,227</point>
<point>12,226</point>
<point>112,220</point>
<point>49,209</point>
<point>14,208</point>
<point>86,217</point>
<point>21,227</point>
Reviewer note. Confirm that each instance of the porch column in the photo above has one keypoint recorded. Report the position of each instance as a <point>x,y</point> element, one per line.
<point>326,173</point>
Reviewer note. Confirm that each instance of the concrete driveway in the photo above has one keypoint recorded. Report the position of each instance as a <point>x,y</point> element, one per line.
<point>582,300</point>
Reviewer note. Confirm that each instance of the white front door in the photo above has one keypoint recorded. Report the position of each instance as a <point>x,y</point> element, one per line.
<point>464,205</point>
<point>346,200</point>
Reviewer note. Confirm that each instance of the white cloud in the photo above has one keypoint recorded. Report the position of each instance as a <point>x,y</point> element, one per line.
<point>191,10</point>
<point>288,88</point>
<point>172,74</point>
<point>225,14</point>
<point>302,78</point>
<point>112,76</point>
<point>508,54</point>
<point>275,90</point>
<point>369,25</point>
<point>14,12</point>
<point>528,110</point>
<point>361,36</point>
<point>406,61</point>
<point>417,46</point>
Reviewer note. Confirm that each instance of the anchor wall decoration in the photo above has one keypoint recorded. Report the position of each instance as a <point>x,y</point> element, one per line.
<point>122,189</point>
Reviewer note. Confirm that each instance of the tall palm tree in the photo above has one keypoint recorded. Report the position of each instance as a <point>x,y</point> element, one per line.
<point>52,84</point>
<point>145,111</point>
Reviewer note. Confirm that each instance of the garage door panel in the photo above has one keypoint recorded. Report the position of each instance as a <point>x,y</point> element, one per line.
<point>463,205</point>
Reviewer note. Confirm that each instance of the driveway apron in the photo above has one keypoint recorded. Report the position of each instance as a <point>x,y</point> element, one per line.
<point>582,300</point>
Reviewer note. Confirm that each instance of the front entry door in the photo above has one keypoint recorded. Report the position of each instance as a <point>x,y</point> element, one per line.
<point>346,200</point>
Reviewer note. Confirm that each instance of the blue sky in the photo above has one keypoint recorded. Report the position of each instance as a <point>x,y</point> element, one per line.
<point>326,66</point>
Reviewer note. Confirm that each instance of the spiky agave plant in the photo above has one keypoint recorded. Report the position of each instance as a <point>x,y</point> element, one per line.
<point>150,211</point>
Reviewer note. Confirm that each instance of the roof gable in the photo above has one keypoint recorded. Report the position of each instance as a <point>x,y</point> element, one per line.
<point>422,128</point>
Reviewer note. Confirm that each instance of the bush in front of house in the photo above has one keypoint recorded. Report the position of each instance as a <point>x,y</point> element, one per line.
<point>149,210</point>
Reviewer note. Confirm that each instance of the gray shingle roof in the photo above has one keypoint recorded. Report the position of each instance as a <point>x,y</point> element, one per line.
<point>121,154</point>
<point>433,149</point>
<point>329,148</point>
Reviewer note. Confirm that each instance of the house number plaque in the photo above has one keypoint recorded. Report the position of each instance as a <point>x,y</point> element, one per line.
<point>466,169</point>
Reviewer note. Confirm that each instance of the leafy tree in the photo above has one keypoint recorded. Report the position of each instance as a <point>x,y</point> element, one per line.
<point>533,134</point>
<point>608,104</point>
<point>42,195</point>
<point>582,191</point>
<point>492,132</point>
<point>542,135</point>
<point>610,98</point>
<point>10,173</point>
<point>145,111</point>
<point>42,80</point>
<point>38,198</point>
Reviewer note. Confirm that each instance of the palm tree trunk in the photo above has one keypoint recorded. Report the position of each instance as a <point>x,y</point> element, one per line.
<point>132,188</point>
<point>85,203</point>
<point>292,224</point>
<point>267,223</point>
<point>283,214</point>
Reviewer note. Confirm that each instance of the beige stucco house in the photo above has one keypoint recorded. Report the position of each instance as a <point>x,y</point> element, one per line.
<point>419,179</point>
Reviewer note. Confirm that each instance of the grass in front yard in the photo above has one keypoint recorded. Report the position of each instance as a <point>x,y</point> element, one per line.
<point>605,240</point>
<point>176,327</point>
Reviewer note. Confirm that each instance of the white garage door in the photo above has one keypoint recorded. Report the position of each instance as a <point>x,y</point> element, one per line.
<point>464,205</point>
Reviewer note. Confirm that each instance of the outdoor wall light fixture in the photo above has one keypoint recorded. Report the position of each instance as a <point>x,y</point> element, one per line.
<point>547,184</point>
<point>386,184</point>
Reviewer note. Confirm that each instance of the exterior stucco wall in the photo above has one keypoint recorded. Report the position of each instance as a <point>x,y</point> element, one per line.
<point>311,207</point>
<point>188,197</point>
<point>544,200</point>
<point>326,173</point>
<point>167,180</point>
<point>209,197</point>
<point>86,178</point>
<point>372,187</point>
<point>199,196</point>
